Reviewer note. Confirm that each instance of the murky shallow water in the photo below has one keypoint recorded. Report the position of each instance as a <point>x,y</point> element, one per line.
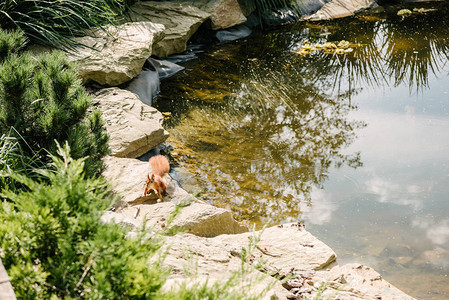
<point>357,146</point>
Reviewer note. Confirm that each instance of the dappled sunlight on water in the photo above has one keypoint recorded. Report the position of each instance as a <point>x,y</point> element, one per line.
<point>355,145</point>
<point>266,148</point>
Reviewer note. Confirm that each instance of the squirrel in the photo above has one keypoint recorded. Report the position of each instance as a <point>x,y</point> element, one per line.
<point>159,167</point>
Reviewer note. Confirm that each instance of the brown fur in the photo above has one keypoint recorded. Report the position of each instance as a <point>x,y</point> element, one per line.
<point>159,168</point>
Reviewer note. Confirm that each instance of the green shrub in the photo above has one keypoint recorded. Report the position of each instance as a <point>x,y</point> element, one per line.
<point>11,42</point>
<point>52,242</point>
<point>55,22</point>
<point>43,99</point>
<point>12,158</point>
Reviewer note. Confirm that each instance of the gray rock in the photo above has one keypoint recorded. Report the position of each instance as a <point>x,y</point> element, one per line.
<point>134,127</point>
<point>180,20</point>
<point>223,13</point>
<point>164,68</point>
<point>341,8</point>
<point>116,56</point>
<point>6,291</point>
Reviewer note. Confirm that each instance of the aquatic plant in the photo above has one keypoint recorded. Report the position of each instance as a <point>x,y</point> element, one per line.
<point>404,12</point>
<point>340,48</point>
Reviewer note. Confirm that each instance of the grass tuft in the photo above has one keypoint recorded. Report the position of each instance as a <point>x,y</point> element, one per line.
<point>56,22</point>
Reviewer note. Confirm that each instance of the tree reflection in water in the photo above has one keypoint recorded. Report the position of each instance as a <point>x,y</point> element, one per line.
<point>416,45</point>
<point>260,126</point>
<point>262,151</point>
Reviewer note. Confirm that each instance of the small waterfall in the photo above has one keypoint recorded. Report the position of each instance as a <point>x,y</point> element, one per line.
<point>233,33</point>
<point>165,68</point>
<point>147,84</point>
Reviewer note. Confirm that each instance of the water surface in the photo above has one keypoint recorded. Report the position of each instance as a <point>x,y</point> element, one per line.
<point>354,145</point>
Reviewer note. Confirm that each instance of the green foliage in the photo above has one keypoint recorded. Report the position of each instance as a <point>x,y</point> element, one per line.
<point>52,242</point>
<point>13,158</point>
<point>55,22</point>
<point>53,245</point>
<point>205,290</point>
<point>11,42</point>
<point>43,99</point>
<point>319,295</point>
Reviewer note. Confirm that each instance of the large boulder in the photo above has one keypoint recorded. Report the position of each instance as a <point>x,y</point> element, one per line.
<point>223,13</point>
<point>191,216</point>
<point>247,6</point>
<point>134,127</point>
<point>117,55</point>
<point>180,20</point>
<point>341,8</point>
<point>6,291</point>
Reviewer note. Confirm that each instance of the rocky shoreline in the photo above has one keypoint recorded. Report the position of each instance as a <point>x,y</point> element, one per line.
<point>284,261</point>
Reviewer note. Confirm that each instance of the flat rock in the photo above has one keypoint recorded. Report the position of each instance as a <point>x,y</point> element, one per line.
<point>134,127</point>
<point>223,13</point>
<point>128,177</point>
<point>340,8</point>
<point>116,56</point>
<point>356,281</point>
<point>219,258</point>
<point>206,220</point>
<point>288,250</point>
<point>281,249</point>
<point>192,216</point>
<point>180,21</point>
<point>286,247</point>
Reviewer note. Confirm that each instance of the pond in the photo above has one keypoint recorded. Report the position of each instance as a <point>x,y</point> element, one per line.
<point>355,145</point>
